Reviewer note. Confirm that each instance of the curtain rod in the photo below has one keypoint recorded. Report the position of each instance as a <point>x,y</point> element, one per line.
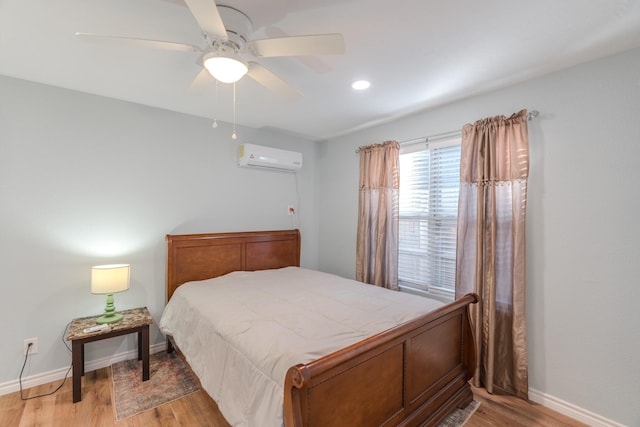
<point>452,134</point>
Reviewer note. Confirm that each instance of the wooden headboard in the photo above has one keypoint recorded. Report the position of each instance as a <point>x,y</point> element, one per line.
<point>204,256</point>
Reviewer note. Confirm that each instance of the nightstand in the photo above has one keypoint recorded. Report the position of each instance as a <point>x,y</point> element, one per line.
<point>136,320</point>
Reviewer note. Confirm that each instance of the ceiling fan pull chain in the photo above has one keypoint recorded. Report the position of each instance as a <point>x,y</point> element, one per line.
<point>215,109</point>
<point>234,136</point>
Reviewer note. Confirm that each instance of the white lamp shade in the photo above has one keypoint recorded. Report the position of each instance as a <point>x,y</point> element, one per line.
<point>108,279</point>
<point>224,69</point>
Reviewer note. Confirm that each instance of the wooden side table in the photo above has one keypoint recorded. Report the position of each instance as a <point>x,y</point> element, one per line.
<point>136,320</point>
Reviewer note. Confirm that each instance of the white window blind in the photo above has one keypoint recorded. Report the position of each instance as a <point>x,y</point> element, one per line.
<point>429,188</point>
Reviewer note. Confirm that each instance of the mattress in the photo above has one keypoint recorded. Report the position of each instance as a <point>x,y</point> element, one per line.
<point>241,332</point>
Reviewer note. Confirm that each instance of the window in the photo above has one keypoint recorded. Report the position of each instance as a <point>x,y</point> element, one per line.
<point>429,188</point>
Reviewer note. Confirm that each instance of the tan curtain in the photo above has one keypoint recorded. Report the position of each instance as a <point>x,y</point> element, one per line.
<point>378,215</point>
<point>494,168</point>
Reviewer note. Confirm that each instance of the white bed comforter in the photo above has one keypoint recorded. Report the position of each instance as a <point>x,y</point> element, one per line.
<point>241,332</point>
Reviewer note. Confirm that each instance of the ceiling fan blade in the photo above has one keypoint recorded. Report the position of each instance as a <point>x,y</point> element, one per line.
<point>156,44</point>
<point>208,18</point>
<point>201,82</point>
<point>311,45</point>
<point>272,82</point>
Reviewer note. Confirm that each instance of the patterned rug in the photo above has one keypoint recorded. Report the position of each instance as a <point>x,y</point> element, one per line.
<point>169,379</point>
<point>460,416</point>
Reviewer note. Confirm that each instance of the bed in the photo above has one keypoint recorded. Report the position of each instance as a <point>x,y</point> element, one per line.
<point>413,372</point>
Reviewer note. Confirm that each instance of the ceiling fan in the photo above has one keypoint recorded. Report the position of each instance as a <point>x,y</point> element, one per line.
<point>229,54</point>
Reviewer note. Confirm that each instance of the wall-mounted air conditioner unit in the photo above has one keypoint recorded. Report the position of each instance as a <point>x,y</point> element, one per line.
<point>267,157</point>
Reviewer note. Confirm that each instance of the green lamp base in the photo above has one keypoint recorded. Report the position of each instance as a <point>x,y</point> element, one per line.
<point>109,318</point>
<point>110,315</point>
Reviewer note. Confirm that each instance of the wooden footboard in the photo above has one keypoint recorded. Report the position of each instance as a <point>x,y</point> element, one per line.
<point>411,375</point>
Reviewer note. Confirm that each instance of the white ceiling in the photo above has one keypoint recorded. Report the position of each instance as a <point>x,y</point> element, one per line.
<point>416,53</point>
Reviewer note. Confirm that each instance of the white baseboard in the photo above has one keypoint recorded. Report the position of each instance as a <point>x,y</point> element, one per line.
<point>571,410</point>
<point>59,374</point>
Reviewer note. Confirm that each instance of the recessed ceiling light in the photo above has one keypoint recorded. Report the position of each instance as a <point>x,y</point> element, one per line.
<point>361,85</point>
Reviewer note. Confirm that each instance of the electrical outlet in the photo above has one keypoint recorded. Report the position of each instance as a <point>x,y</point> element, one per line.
<point>34,346</point>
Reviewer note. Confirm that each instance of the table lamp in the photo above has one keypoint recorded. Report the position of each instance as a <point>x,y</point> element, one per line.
<point>109,279</point>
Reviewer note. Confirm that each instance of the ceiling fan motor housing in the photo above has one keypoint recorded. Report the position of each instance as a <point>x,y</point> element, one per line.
<point>237,24</point>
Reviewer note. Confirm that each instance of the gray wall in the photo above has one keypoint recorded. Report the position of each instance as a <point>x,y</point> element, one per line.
<point>86,180</point>
<point>583,236</point>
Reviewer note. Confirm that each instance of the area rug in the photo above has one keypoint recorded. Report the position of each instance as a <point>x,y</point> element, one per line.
<point>169,379</point>
<point>460,416</point>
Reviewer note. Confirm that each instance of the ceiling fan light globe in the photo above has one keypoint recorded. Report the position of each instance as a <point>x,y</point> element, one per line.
<point>225,70</point>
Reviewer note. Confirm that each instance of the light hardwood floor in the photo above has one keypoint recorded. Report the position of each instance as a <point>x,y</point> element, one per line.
<point>197,409</point>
